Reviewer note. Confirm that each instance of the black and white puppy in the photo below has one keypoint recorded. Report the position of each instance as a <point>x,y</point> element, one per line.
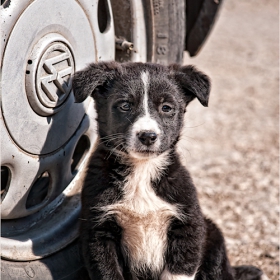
<point>140,214</point>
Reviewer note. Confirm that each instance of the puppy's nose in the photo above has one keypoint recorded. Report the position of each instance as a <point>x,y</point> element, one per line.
<point>147,137</point>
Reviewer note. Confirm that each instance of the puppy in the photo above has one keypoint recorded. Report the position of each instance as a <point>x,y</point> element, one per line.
<point>140,214</point>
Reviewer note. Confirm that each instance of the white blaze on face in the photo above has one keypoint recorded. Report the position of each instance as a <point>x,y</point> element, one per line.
<point>145,122</point>
<point>145,80</point>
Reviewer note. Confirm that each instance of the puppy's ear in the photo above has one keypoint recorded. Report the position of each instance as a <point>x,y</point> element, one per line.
<point>96,74</point>
<point>193,83</point>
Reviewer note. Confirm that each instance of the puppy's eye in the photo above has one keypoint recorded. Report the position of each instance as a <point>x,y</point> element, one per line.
<point>125,106</point>
<point>166,108</point>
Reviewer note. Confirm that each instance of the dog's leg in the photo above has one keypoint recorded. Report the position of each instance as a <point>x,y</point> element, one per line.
<point>184,250</point>
<point>100,234</point>
<point>101,252</point>
<point>215,264</point>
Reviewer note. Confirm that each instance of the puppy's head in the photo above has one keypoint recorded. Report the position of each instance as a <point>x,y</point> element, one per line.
<point>140,106</point>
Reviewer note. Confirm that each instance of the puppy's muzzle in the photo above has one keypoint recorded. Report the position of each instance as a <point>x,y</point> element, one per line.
<point>147,138</point>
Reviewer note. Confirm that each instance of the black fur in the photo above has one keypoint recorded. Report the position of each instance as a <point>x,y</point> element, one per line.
<point>194,243</point>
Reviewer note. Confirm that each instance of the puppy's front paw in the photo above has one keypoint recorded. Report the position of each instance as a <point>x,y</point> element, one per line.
<point>167,275</point>
<point>248,272</point>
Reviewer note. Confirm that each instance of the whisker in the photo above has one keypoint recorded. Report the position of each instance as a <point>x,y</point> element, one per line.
<point>128,119</point>
<point>112,135</point>
<point>185,137</point>
<point>195,125</point>
<point>113,149</point>
<point>111,139</point>
<point>121,150</point>
<point>105,140</point>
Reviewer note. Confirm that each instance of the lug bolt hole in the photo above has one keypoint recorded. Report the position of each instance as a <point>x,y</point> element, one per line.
<point>103,15</point>
<point>80,151</point>
<point>5,180</point>
<point>39,190</point>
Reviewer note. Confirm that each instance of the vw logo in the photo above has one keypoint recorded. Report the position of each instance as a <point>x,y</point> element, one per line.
<point>53,78</point>
<point>49,68</point>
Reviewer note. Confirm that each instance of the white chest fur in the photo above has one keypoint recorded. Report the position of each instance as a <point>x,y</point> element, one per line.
<point>144,216</point>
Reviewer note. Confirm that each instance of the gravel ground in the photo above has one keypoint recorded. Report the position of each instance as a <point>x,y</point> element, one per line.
<point>231,148</point>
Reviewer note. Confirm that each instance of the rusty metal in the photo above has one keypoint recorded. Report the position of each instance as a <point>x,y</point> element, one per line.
<point>123,45</point>
<point>130,25</point>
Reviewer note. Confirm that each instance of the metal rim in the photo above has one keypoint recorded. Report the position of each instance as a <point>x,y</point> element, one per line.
<point>139,32</point>
<point>55,225</point>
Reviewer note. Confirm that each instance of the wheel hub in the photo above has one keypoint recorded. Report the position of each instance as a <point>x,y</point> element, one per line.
<point>52,88</point>
<point>48,74</point>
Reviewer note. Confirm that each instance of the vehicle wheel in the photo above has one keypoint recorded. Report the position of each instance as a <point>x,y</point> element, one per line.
<point>46,138</point>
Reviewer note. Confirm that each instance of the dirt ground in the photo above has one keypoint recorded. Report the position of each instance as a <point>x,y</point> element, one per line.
<point>231,148</point>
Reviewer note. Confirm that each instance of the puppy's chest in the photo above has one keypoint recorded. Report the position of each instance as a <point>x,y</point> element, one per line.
<point>144,218</point>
